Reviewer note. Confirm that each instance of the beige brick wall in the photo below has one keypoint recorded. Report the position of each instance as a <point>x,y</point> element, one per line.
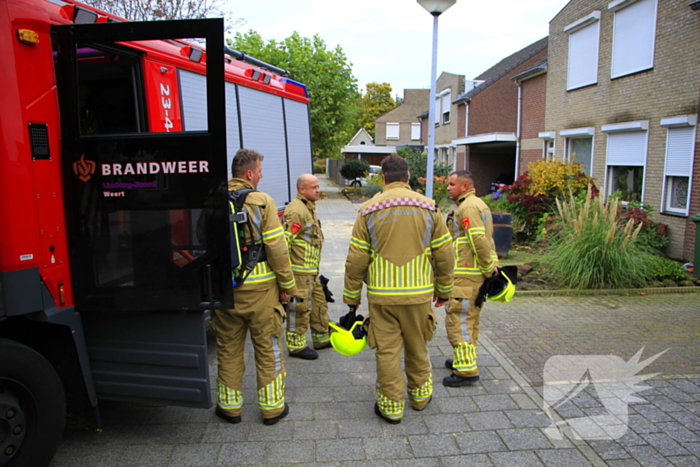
<point>415,102</point>
<point>669,89</point>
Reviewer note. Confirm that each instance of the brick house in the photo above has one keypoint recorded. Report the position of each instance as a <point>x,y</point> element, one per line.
<point>400,126</point>
<point>622,98</point>
<point>448,87</point>
<point>486,136</point>
<point>532,143</point>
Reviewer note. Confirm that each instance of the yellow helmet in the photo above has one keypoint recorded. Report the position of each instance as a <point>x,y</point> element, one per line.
<point>501,288</point>
<point>344,342</point>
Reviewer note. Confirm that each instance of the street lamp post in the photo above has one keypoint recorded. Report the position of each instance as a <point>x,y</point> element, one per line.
<point>435,8</point>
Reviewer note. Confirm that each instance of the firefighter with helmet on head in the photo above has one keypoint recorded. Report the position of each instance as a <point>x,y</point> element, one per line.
<point>401,245</point>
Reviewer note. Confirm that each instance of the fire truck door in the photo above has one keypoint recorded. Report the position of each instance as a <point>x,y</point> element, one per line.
<point>147,213</point>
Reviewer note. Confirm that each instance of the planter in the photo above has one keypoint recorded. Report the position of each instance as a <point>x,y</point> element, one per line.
<point>502,233</point>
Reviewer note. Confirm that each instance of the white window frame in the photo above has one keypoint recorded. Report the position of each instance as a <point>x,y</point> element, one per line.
<point>441,101</point>
<point>618,160</point>
<point>549,139</point>
<point>584,42</point>
<point>680,131</point>
<point>634,40</point>
<point>415,131</point>
<point>393,131</point>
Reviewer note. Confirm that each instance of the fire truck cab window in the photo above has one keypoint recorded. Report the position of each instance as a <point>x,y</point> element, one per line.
<point>108,92</point>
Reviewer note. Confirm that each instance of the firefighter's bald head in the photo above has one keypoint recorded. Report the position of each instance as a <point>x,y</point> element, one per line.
<point>308,187</point>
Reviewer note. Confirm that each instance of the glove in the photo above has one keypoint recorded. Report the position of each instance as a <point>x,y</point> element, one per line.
<point>326,290</point>
<point>348,320</point>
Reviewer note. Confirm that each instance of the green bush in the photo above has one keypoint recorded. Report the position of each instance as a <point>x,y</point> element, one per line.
<point>371,190</point>
<point>592,250</point>
<point>417,165</point>
<point>354,169</point>
<point>319,168</point>
<point>664,268</point>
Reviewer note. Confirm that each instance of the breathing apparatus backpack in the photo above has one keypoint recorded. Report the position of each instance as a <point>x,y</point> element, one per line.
<point>243,257</point>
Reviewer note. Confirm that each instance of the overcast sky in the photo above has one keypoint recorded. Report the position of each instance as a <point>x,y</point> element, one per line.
<point>391,40</point>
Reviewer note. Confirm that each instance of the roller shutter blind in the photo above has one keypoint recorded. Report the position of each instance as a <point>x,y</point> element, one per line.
<point>298,141</point>
<point>633,38</point>
<point>262,126</point>
<point>627,149</point>
<point>679,151</point>
<point>583,56</point>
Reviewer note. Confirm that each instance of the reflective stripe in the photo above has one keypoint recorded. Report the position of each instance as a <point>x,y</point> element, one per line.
<point>320,337</point>
<point>272,396</point>
<point>261,273</point>
<point>359,243</point>
<point>227,397</point>
<point>438,242</point>
<point>427,235</point>
<point>278,354</point>
<point>400,290</point>
<point>296,268</point>
<point>443,290</point>
<point>352,294</point>
<point>390,409</point>
<point>464,357</point>
<point>270,234</point>
<point>424,392</point>
<point>295,341</point>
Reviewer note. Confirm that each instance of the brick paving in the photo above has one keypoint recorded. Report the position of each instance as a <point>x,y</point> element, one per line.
<point>497,422</point>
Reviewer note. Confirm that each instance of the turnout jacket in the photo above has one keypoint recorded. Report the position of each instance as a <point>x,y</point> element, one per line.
<point>264,227</point>
<point>302,230</point>
<point>402,246</point>
<point>472,231</point>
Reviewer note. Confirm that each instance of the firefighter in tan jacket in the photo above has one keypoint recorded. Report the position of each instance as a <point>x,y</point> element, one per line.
<point>402,247</point>
<point>472,230</point>
<point>305,239</point>
<point>256,305</point>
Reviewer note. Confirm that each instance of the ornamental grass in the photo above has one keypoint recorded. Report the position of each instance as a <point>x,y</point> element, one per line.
<point>592,250</point>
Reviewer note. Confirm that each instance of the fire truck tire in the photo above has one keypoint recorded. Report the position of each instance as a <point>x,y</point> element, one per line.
<point>32,407</point>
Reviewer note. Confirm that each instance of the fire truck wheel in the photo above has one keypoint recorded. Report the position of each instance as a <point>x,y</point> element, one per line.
<point>32,407</point>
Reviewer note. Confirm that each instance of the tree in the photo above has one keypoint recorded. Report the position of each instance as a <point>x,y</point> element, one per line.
<point>376,101</point>
<point>328,77</point>
<point>150,10</point>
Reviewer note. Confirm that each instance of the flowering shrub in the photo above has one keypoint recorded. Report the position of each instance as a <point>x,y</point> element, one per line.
<point>652,234</point>
<point>532,197</point>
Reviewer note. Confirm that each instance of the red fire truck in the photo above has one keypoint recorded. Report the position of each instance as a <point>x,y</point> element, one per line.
<point>115,141</point>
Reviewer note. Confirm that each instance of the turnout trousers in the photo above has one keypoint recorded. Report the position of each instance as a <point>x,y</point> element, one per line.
<point>462,323</point>
<point>312,309</point>
<point>260,313</point>
<point>391,329</point>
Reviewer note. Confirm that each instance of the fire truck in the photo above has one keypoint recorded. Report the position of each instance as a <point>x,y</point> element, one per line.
<point>116,140</point>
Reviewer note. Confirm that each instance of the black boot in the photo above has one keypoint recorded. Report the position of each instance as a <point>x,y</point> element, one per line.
<point>448,363</point>
<point>456,381</point>
<point>387,419</point>
<point>306,354</point>
<point>220,413</point>
<point>273,420</point>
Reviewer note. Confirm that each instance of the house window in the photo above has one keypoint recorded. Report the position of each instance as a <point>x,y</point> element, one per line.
<point>580,150</point>
<point>680,147</point>
<point>583,51</point>
<point>547,138</point>
<point>634,33</point>
<point>392,131</point>
<point>446,99</point>
<point>626,159</point>
<point>415,131</point>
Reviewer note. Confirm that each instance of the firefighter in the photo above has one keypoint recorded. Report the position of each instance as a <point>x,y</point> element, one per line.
<point>472,230</point>
<point>401,245</point>
<point>305,239</point>
<point>256,305</point>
